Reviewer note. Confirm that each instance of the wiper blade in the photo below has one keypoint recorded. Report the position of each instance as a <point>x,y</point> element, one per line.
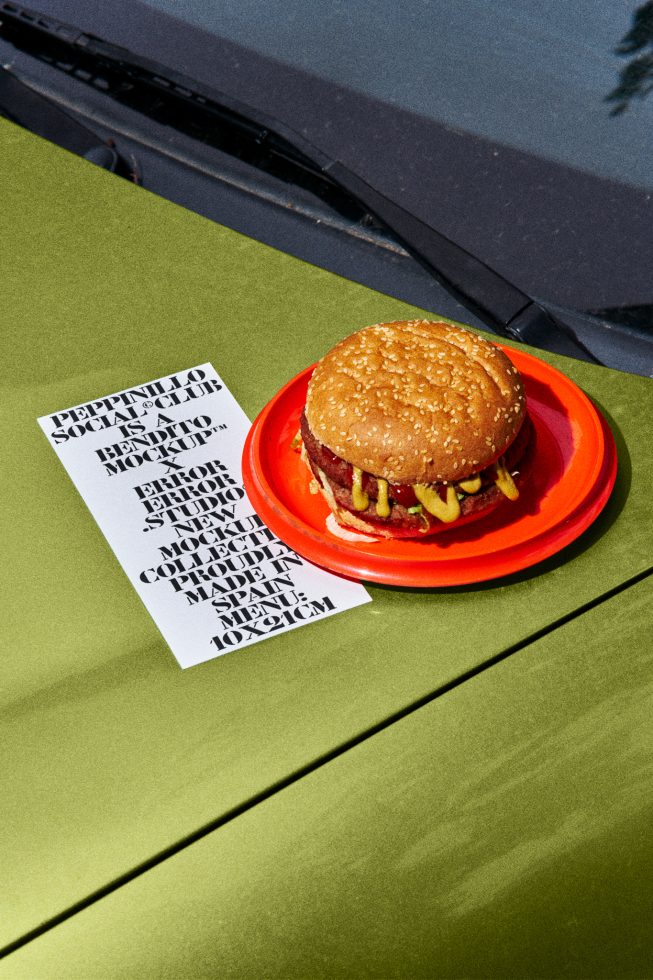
<point>233,127</point>
<point>173,100</point>
<point>500,304</point>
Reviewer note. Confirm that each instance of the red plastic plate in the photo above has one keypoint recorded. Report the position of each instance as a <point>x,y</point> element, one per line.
<point>569,484</point>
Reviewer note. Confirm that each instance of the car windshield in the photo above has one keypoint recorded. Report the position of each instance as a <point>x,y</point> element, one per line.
<point>564,81</point>
<point>519,131</point>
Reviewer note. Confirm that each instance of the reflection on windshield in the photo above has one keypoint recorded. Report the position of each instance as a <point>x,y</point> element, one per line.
<point>636,78</point>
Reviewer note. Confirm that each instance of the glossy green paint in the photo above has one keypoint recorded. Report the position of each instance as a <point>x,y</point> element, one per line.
<point>110,752</point>
<point>504,830</point>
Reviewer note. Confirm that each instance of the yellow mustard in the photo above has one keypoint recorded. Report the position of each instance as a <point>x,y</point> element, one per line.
<point>505,482</point>
<point>358,495</point>
<point>430,499</point>
<point>472,485</point>
<point>382,502</point>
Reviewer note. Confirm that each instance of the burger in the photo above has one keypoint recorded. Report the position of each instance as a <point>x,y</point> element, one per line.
<point>413,426</point>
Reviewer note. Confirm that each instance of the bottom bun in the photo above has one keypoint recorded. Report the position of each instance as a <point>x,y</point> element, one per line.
<point>348,533</point>
<point>346,518</point>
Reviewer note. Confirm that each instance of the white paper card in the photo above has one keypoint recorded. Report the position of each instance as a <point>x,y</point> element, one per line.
<point>159,467</point>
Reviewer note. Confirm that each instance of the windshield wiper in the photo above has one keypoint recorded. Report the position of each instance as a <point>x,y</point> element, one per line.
<point>231,126</point>
<point>175,101</point>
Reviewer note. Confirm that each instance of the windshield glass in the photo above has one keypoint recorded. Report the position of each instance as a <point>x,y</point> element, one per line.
<point>541,78</point>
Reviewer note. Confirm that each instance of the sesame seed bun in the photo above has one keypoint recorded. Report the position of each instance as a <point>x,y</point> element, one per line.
<point>416,401</point>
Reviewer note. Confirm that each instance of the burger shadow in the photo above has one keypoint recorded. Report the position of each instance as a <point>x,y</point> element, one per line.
<point>528,503</point>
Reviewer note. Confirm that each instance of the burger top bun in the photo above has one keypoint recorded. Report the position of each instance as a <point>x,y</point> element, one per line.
<point>416,401</point>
